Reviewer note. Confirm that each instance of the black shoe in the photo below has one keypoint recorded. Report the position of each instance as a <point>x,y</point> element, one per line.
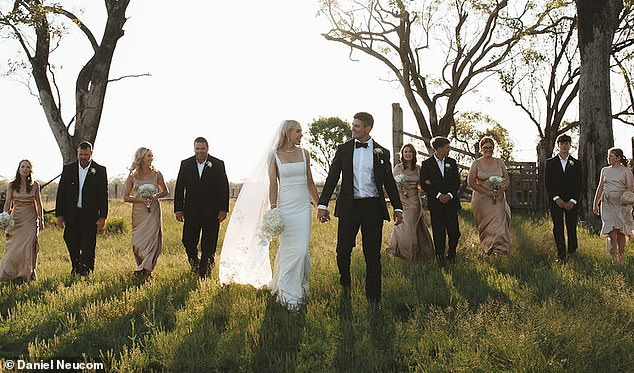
<point>561,261</point>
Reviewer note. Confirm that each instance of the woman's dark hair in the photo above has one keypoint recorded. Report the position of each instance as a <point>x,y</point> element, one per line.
<point>15,184</point>
<point>619,154</point>
<point>412,165</point>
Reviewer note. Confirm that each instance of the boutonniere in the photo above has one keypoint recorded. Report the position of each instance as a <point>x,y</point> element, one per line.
<point>447,165</point>
<point>378,151</point>
<point>571,163</point>
<point>209,164</point>
<point>93,171</point>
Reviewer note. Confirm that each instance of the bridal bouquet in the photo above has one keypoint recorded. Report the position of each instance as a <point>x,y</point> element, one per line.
<point>148,191</point>
<point>496,183</point>
<point>6,220</point>
<point>272,225</point>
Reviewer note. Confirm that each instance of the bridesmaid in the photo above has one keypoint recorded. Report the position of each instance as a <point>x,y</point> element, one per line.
<point>25,205</point>
<point>411,240</point>
<point>618,224</point>
<point>147,230</point>
<point>490,209</point>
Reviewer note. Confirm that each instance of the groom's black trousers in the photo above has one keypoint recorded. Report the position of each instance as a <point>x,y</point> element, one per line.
<point>366,214</point>
<point>557,215</point>
<point>444,223</point>
<point>80,235</point>
<point>194,223</point>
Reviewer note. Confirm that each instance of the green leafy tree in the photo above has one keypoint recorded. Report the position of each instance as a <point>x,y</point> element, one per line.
<point>325,135</point>
<point>471,127</point>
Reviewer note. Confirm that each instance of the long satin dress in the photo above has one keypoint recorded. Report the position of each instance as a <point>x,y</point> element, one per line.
<point>493,218</point>
<point>411,239</point>
<point>147,229</point>
<point>292,263</point>
<point>21,248</point>
<point>613,214</point>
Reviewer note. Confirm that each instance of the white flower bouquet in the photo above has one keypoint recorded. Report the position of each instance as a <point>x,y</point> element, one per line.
<point>272,223</point>
<point>495,182</point>
<point>147,191</point>
<point>627,198</point>
<point>400,180</point>
<point>6,220</point>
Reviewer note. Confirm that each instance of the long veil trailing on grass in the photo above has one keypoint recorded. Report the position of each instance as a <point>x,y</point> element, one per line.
<point>244,258</point>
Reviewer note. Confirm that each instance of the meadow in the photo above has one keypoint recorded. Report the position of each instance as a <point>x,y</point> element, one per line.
<point>525,314</point>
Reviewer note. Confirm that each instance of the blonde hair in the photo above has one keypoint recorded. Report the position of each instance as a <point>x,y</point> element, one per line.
<point>285,132</point>
<point>137,161</point>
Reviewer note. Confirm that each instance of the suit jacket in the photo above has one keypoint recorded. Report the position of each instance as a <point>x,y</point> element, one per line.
<point>432,182</point>
<point>208,193</point>
<point>566,185</point>
<point>342,165</point>
<point>94,193</point>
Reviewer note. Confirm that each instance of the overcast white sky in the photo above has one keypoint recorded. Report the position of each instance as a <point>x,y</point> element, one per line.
<point>229,71</point>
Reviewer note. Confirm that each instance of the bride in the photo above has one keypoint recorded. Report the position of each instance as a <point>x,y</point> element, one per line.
<point>282,179</point>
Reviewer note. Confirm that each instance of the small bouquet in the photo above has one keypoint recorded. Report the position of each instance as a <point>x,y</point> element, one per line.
<point>6,220</point>
<point>495,182</point>
<point>401,181</point>
<point>627,198</point>
<point>272,225</point>
<point>148,191</point>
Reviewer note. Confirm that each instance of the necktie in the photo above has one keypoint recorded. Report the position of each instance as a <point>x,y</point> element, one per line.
<point>359,144</point>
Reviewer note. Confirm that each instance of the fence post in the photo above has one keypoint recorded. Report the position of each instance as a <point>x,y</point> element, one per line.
<point>397,131</point>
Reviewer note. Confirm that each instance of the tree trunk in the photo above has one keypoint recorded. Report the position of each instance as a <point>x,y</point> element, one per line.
<point>597,23</point>
<point>542,155</point>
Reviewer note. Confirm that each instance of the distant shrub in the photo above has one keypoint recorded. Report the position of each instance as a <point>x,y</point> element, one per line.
<point>114,225</point>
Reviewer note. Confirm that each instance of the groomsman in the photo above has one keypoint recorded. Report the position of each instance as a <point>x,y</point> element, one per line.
<point>201,201</point>
<point>81,207</point>
<point>563,184</point>
<point>440,179</point>
<point>364,167</point>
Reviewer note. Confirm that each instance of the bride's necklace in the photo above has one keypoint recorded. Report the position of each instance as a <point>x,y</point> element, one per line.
<point>289,151</point>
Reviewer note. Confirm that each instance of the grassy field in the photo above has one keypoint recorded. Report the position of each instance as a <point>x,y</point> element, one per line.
<point>526,314</point>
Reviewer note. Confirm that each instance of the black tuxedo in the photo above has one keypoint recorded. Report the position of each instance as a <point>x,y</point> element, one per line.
<point>567,185</point>
<point>201,198</point>
<point>367,213</point>
<point>80,233</point>
<point>444,217</point>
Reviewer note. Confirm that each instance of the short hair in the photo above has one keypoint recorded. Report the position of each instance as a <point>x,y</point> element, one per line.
<point>486,140</point>
<point>201,140</point>
<point>84,145</point>
<point>438,142</point>
<point>365,118</point>
<point>564,138</point>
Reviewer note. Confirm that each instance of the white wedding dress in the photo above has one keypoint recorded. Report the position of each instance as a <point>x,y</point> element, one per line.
<point>292,262</point>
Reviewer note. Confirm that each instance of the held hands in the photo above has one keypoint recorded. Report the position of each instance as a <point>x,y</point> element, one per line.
<point>222,215</point>
<point>323,215</point>
<point>443,198</point>
<point>560,203</point>
<point>179,216</point>
<point>569,206</point>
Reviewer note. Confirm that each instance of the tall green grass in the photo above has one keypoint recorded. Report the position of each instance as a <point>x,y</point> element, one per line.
<point>526,314</point>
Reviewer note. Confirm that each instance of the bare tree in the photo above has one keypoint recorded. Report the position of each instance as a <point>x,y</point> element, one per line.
<point>598,21</point>
<point>622,66</point>
<point>31,23</point>
<point>478,36</point>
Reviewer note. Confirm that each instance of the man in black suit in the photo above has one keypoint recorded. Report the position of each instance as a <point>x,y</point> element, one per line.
<point>440,179</point>
<point>563,184</point>
<point>81,207</point>
<point>365,170</point>
<point>201,200</point>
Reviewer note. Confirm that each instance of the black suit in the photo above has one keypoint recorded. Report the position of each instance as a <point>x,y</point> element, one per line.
<point>367,214</point>
<point>80,233</point>
<point>444,217</point>
<point>567,185</point>
<point>201,198</point>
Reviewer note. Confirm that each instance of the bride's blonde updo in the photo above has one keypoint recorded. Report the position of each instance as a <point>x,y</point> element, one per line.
<point>138,160</point>
<point>285,132</point>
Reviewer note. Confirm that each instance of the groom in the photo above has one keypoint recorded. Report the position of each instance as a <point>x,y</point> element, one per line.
<point>81,208</point>
<point>201,201</point>
<point>563,184</point>
<point>440,179</point>
<point>365,170</point>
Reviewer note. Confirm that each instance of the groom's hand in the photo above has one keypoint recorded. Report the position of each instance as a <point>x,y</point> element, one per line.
<point>222,215</point>
<point>323,215</point>
<point>398,217</point>
<point>179,216</point>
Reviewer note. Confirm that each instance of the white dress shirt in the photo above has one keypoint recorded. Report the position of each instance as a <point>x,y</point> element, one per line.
<point>201,167</point>
<point>441,166</point>
<point>83,172</point>
<point>564,162</point>
<point>363,171</point>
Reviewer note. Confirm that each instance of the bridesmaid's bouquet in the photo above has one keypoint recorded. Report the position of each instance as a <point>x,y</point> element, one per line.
<point>147,191</point>
<point>496,183</point>
<point>627,198</point>
<point>272,223</point>
<point>401,180</point>
<point>6,220</point>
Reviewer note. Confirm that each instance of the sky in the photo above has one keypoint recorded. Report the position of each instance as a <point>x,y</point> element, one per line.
<point>228,71</point>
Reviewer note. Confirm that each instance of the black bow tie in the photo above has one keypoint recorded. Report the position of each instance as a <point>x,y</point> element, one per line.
<point>360,144</point>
